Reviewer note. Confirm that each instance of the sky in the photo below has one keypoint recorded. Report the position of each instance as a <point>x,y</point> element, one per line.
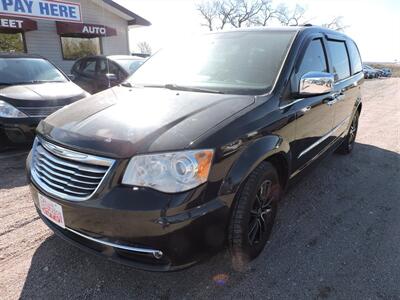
<point>373,24</point>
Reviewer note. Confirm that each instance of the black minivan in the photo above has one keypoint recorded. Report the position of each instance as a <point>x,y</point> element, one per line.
<point>192,153</point>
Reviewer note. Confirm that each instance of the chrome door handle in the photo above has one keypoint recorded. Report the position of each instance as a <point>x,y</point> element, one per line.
<point>306,109</point>
<point>331,101</point>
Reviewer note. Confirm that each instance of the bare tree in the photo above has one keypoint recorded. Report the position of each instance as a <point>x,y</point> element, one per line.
<point>266,13</point>
<point>209,10</point>
<point>289,17</point>
<point>226,12</point>
<point>238,13</point>
<point>336,24</point>
<point>144,47</point>
<point>245,12</point>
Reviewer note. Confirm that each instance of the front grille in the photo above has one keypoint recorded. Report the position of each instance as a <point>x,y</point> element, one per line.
<point>39,111</point>
<point>67,174</point>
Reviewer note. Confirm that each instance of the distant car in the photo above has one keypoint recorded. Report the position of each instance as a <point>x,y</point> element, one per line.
<point>370,72</point>
<point>31,88</point>
<point>387,72</point>
<point>98,73</point>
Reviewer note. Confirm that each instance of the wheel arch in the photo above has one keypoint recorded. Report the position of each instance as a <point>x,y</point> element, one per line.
<point>273,149</point>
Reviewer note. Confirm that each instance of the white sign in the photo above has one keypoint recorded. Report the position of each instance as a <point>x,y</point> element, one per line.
<point>9,23</point>
<point>42,9</point>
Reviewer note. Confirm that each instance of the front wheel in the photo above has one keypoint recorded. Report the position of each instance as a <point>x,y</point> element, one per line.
<point>254,214</point>
<point>348,143</point>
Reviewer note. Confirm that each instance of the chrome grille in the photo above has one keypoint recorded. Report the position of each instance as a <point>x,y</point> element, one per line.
<point>67,174</point>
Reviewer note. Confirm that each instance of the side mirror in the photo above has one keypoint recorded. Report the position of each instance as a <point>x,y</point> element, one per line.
<point>111,77</point>
<point>316,83</point>
<point>71,77</point>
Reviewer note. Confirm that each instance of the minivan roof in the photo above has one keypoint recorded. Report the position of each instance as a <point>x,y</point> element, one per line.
<point>305,28</point>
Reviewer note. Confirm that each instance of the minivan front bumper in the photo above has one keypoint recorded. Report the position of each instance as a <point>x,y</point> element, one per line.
<point>118,225</point>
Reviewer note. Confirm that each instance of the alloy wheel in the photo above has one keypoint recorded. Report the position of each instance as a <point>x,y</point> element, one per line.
<point>261,214</point>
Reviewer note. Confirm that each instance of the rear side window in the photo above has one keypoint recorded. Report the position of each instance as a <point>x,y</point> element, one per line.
<point>340,59</point>
<point>89,67</point>
<point>355,59</point>
<point>314,59</point>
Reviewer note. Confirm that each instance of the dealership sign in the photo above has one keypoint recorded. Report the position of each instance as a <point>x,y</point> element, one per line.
<point>85,30</point>
<point>42,9</point>
<point>13,24</point>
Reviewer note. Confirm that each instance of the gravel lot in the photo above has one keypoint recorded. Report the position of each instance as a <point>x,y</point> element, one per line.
<point>337,233</point>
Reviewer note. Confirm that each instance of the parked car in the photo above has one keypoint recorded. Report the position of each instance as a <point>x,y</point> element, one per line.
<point>387,72</point>
<point>370,72</point>
<point>219,127</point>
<point>97,73</point>
<point>31,88</point>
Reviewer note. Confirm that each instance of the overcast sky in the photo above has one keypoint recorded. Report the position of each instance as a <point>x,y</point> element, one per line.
<point>373,24</point>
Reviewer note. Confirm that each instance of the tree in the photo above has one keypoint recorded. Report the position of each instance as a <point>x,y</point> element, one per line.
<point>209,11</point>
<point>238,13</point>
<point>144,47</point>
<point>336,24</point>
<point>289,17</point>
<point>245,12</point>
<point>266,13</point>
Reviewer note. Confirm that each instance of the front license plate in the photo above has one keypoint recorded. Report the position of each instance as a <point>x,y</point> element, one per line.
<point>51,210</point>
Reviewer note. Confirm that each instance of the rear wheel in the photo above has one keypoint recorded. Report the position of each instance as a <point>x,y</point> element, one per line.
<point>348,143</point>
<point>254,214</point>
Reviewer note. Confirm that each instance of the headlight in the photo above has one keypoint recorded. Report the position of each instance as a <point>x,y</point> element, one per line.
<point>9,111</point>
<point>169,172</point>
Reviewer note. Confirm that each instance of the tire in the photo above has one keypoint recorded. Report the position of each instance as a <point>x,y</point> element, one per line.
<point>348,143</point>
<point>247,236</point>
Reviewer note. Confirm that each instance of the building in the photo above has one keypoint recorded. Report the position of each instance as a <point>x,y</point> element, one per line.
<point>63,31</point>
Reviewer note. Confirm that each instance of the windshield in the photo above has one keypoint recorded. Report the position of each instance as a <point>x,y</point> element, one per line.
<point>130,65</point>
<point>28,70</point>
<point>233,62</point>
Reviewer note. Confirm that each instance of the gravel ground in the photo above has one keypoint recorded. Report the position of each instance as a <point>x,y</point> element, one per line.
<point>337,233</point>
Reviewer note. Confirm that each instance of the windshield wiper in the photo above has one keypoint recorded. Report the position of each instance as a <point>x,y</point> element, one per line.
<point>175,87</point>
<point>44,81</point>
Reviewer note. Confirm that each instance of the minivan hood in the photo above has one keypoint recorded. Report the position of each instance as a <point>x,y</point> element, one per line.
<point>122,122</point>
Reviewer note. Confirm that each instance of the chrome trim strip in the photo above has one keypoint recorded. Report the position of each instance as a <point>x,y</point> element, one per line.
<point>44,184</point>
<point>323,138</point>
<point>50,165</point>
<point>156,253</point>
<point>76,156</point>
<point>90,169</point>
<point>291,103</point>
<point>315,157</point>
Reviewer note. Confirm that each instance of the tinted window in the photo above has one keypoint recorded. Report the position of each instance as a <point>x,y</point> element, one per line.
<point>314,59</point>
<point>28,70</point>
<point>109,68</point>
<point>89,67</point>
<point>231,62</point>
<point>340,60</point>
<point>356,64</point>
